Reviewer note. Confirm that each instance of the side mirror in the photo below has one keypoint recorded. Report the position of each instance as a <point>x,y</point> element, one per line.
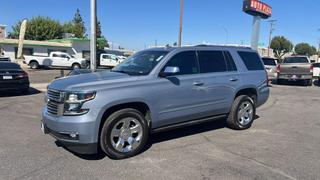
<point>169,71</point>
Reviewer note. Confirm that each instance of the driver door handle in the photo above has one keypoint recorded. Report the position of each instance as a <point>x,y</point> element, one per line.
<point>198,83</point>
<point>234,79</point>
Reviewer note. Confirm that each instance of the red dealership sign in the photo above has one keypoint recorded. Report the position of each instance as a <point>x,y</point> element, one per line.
<point>257,8</point>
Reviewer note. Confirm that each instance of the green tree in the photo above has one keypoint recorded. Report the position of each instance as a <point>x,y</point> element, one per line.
<point>39,28</point>
<point>281,46</point>
<point>305,49</point>
<point>102,43</point>
<point>79,29</point>
<point>68,27</point>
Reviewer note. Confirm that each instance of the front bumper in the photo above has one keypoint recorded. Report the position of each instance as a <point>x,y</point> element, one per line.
<point>77,133</point>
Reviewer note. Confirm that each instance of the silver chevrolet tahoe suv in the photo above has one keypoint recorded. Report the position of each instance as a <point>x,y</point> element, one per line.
<point>154,90</point>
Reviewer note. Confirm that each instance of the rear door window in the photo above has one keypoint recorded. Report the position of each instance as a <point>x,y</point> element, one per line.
<point>212,61</point>
<point>186,61</point>
<point>230,62</point>
<point>269,61</point>
<point>251,60</point>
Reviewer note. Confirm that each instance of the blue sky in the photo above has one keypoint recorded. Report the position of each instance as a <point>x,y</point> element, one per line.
<point>136,24</point>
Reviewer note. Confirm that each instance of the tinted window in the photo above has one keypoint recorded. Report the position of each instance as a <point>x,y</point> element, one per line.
<point>316,65</point>
<point>230,62</point>
<point>186,61</point>
<point>9,66</point>
<point>212,61</point>
<point>251,60</point>
<point>269,61</point>
<point>296,60</point>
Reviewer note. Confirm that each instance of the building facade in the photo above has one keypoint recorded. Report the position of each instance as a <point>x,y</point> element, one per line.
<point>73,46</point>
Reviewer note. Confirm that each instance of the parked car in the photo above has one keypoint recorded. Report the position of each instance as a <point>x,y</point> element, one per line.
<point>55,59</point>
<point>154,90</point>
<point>5,59</point>
<point>316,70</point>
<point>122,58</point>
<point>12,77</point>
<point>271,67</point>
<point>109,60</point>
<point>295,68</point>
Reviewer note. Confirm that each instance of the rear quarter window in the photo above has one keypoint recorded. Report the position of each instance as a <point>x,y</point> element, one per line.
<point>251,60</point>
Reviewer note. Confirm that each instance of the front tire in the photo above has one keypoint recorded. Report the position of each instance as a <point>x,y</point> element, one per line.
<point>242,113</point>
<point>124,134</point>
<point>76,66</point>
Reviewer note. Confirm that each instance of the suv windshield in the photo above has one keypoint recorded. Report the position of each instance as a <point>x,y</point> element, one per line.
<point>269,61</point>
<point>141,63</point>
<point>296,60</point>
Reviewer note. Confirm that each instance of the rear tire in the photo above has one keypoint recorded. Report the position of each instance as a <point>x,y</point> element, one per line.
<point>34,65</point>
<point>124,134</point>
<point>242,113</point>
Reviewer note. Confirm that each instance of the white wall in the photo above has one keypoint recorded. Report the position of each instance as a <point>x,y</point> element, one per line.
<point>9,51</point>
<point>81,46</point>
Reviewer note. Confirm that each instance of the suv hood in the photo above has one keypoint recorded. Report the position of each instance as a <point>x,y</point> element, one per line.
<point>90,81</point>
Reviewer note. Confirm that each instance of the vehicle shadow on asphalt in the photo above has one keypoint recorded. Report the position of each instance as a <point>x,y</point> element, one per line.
<point>164,136</point>
<point>32,91</point>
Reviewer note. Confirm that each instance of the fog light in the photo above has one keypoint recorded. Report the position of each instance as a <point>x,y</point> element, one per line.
<point>73,135</point>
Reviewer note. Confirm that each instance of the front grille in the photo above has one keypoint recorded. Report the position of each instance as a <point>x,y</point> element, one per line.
<point>54,104</point>
<point>54,95</point>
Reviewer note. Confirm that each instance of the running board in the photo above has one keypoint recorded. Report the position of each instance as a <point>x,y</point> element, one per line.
<point>188,123</point>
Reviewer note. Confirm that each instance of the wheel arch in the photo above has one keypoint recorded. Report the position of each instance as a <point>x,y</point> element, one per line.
<point>140,106</point>
<point>249,91</point>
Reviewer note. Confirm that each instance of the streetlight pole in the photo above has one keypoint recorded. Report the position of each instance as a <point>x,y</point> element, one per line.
<point>93,37</point>
<point>181,19</point>
<point>227,34</point>
<point>272,23</point>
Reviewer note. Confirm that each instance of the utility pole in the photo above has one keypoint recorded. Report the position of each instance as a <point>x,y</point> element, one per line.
<point>181,21</point>
<point>318,48</point>
<point>272,23</point>
<point>93,38</point>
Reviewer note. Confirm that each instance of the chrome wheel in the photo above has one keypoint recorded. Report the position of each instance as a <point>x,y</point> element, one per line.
<point>126,135</point>
<point>245,113</point>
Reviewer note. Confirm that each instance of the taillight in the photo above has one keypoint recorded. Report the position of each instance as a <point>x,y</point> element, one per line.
<point>311,69</point>
<point>23,75</point>
<point>278,68</point>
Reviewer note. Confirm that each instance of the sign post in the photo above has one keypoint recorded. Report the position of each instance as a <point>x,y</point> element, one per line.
<point>258,10</point>
<point>21,39</point>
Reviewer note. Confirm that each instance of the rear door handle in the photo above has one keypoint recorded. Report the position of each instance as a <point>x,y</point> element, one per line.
<point>198,83</point>
<point>234,79</point>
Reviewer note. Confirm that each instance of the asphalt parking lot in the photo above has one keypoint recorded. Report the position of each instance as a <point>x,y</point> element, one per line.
<point>283,143</point>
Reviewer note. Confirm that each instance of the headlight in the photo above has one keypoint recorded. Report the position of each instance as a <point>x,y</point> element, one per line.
<point>74,101</point>
<point>79,97</point>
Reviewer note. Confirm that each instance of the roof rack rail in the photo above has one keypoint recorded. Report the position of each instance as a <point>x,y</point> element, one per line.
<point>235,46</point>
